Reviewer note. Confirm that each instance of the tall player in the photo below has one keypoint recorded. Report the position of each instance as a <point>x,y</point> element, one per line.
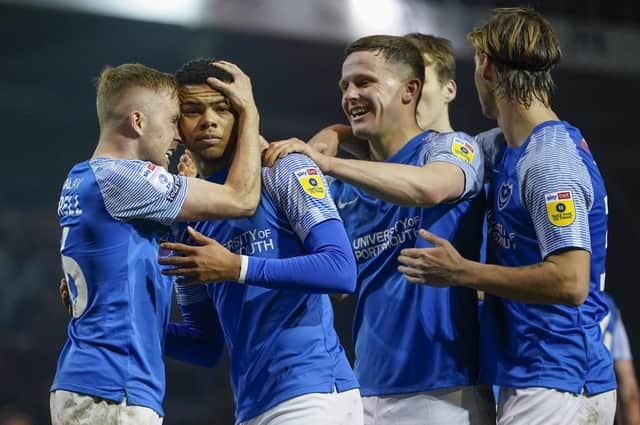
<point>416,349</point>
<point>287,364</point>
<point>114,208</point>
<point>547,237</point>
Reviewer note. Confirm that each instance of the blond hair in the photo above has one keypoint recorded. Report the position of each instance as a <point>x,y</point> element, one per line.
<point>440,52</point>
<point>524,49</point>
<point>115,81</point>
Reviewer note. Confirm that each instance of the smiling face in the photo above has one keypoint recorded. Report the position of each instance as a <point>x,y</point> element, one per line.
<point>160,135</point>
<point>372,93</point>
<point>206,121</point>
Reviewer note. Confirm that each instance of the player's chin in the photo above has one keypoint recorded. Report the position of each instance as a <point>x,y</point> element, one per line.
<point>361,131</point>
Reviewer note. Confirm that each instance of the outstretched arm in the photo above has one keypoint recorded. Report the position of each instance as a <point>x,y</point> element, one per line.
<point>561,278</point>
<point>329,255</point>
<point>447,174</point>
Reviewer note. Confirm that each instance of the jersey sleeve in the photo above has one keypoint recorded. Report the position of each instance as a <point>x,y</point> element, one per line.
<point>556,189</point>
<point>301,193</point>
<point>139,190</point>
<point>461,150</point>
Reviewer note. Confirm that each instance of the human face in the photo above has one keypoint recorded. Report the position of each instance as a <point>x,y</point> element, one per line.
<point>160,135</point>
<point>206,121</point>
<point>372,91</point>
<point>483,87</point>
<point>432,109</point>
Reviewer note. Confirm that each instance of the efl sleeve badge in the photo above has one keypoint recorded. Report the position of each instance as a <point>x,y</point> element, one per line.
<point>311,182</point>
<point>560,208</point>
<point>463,150</point>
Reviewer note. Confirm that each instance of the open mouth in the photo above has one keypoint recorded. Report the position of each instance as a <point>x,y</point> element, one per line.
<point>356,112</point>
<point>168,154</point>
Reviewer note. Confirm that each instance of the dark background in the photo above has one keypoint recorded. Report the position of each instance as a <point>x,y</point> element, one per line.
<point>48,63</point>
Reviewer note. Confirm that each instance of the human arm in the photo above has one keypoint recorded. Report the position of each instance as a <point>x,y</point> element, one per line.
<point>329,255</point>
<point>240,194</point>
<point>561,278</point>
<point>314,219</point>
<point>628,410</point>
<point>447,174</point>
<point>198,339</point>
<point>337,138</point>
<point>63,290</point>
<point>329,267</point>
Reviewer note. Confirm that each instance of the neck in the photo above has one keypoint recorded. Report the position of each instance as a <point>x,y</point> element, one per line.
<point>115,145</point>
<point>441,123</point>
<point>207,167</point>
<point>517,121</point>
<point>382,147</point>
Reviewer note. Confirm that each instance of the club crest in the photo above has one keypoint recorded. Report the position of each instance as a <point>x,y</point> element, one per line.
<point>504,195</point>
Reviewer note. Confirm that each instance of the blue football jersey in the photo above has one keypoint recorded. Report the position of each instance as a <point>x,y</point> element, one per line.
<point>281,343</point>
<point>546,196</point>
<point>408,337</point>
<point>113,214</point>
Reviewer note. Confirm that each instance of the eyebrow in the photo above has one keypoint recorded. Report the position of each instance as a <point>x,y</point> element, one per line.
<point>198,103</point>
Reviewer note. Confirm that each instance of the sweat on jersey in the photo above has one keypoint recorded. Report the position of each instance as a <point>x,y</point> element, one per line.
<point>113,214</point>
<point>408,337</point>
<point>545,196</point>
<point>281,342</point>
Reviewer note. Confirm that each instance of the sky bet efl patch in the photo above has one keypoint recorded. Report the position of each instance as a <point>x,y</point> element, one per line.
<point>463,150</point>
<point>311,182</point>
<point>560,209</point>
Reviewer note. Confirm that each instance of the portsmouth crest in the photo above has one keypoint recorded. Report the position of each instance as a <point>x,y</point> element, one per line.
<point>504,195</point>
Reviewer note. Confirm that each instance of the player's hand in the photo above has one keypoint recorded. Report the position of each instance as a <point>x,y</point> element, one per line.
<point>206,262</point>
<point>186,165</point>
<point>239,91</point>
<point>282,148</point>
<point>63,288</point>
<point>439,266</point>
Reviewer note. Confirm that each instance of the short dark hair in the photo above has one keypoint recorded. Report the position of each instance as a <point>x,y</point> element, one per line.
<point>198,70</point>
<point>394,49</point>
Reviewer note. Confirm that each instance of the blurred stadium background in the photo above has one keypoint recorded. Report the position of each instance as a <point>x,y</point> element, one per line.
<point>51,51</point>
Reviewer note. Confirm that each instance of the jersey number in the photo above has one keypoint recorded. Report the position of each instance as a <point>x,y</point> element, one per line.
<point>75,280</point>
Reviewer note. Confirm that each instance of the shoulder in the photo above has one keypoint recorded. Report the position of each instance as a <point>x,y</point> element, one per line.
<point>294,163</point>
<point>453,136</point>
<point>550,148</point>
